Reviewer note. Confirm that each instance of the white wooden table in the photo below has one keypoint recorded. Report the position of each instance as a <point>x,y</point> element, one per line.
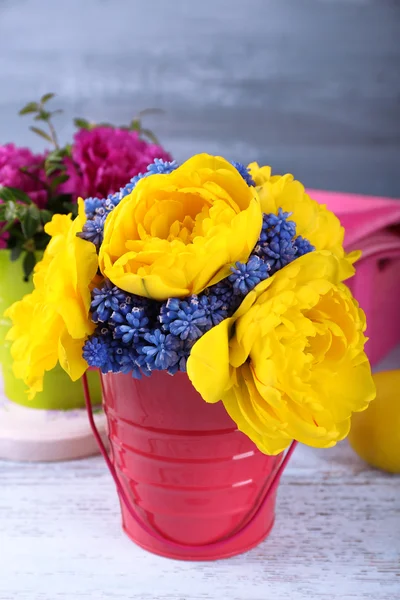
<point>336,536</point>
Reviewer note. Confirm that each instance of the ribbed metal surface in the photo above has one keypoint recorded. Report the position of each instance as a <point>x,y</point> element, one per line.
<point>189,472</point>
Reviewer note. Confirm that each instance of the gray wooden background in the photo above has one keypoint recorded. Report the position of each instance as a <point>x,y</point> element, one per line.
<point>310,86</point>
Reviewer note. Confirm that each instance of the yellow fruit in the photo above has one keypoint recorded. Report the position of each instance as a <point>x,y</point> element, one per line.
<point>375,433</point>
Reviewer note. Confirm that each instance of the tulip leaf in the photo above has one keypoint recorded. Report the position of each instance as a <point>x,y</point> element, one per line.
<point>15,252</point>
<point>31,221</point>
<point>28,264</point>
<point>45,216</point>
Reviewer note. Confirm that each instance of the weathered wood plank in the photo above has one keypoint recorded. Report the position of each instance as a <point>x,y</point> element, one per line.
<point>337,535</point>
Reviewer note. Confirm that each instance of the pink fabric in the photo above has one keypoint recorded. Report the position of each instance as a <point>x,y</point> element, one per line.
<point>372,225</point>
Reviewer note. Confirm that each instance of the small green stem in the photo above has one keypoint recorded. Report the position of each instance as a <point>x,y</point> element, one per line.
<point>53,134</point>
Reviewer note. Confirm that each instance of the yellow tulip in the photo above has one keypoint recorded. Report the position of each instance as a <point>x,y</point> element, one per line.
<point>176,234</point>
<point>52,323</point>
<point>290,363</point>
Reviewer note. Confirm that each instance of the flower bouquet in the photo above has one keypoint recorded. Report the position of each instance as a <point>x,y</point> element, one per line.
<point>34,188</point>
<point>211,298</point>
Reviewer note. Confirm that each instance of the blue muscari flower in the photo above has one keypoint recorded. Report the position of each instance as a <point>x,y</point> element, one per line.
<point>215,309</point>
<point>244,172</point>
<point>277,253</point>
<point>161,350</point>
<point>141,362</point>
<point>91,206</point>
<point>107,354</point>
<point>223,290</point>
<point>131,327</point>
<point>158,166</point>
<point>275,245</point>
<point>99,351</point>
<point>130,362</point>
<point>118,316</point>
<point>245,276</point>
<point>274,225</point>
<point>129,303</point>
<point>114,349</point>
<point>183,352</point>
<point>302,246</point>
<point>96,352</point>
<point>106,300</point>
<point>92,230</point>
<point>185,319</point>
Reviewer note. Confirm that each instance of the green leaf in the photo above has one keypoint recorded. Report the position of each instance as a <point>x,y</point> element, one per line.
<point>11,193</point>
<point>31,107</point>
<point>31,221</point>
<point>58,154</point>
<point>58,181</point>
<point>42,116</point>
<point>71,207</point>
<point>150,135</point>
<point>42,133</point>
<point>6,194</point>
<point>62,204</point>
<point>11,212</point>
<point>53,168</point>
<point>135,125</point>
<point>28,264</point>
<point>82,123</point>
<point>15,252</point>
<point>22,210</point>
<point>46,97</point>
<point>41,240</point>
<point>45,216</point>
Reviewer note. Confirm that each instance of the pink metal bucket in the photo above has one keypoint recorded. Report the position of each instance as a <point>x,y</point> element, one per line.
<point>191,485</point>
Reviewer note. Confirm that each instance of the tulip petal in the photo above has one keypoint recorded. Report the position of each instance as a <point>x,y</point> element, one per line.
<point>208,363</point>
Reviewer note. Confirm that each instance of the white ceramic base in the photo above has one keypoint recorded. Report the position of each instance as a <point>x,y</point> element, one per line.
<point>28,434</point>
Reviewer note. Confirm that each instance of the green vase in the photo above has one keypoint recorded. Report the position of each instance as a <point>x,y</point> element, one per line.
<point>59,392</point>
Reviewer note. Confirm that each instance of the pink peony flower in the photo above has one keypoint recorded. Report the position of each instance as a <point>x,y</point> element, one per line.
<point>106,159</point>
<point>12,159</point>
